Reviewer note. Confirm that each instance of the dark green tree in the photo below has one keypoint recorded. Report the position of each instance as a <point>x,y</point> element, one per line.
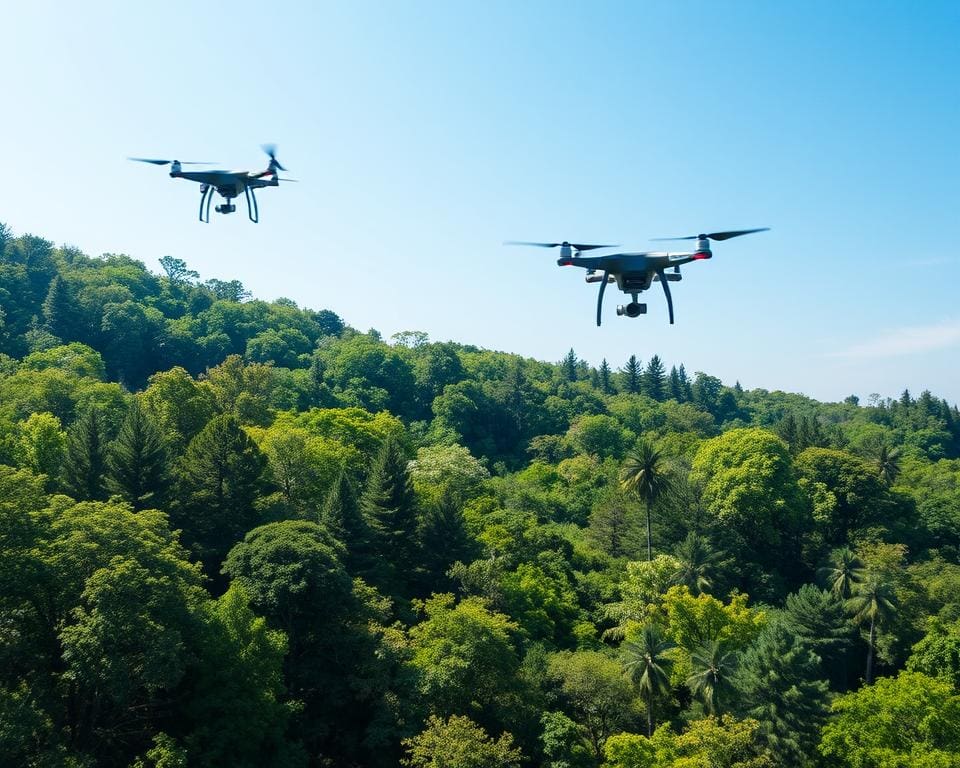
<point>58,311</point>
<point>778,683</point>
<point>569,366</point>
<point>654,379</point>
<point>698,561</point>
<point>389,507</point>
<point>710,680</point>
<point>873,602</point>
<point>137,460</point>
<point>85,463</point>
<point>819,619</point>
<point>631,376</point>
<point>606,381</point>
<point>220,479</point>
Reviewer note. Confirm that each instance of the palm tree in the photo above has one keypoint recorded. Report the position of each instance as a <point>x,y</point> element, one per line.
<point>697,561</point>
<point>648,665</point>
<point>645,473</point>
<point>712,670</point>
<point>887,462</point>
<point>872,601</point>
<point>843,572</point>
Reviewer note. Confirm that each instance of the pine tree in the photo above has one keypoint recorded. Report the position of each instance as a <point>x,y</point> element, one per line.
<point>220,480</point>
<point>788,432</point>
<point>674,385</point>
<point>779,685</point>
<point>444,540</point>
<point>653,379</point>
<point>85,465</point>
<point>606,384</point>
<point>57,309</point>
<point>685,384</point>
<point>388,506</point>
<point>137,460</point>
<point>820,620</point>
<point>568,366</point>
<point>631,375</point>
<point>341,516</point>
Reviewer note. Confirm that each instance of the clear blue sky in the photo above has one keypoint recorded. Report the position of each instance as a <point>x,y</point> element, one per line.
<point>424,134</point>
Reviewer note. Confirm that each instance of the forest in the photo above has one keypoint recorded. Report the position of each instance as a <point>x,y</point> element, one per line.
<point>243,533</point>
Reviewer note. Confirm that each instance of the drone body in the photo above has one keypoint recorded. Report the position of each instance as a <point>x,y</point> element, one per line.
<point>636,272</point>
<point>227,184</point>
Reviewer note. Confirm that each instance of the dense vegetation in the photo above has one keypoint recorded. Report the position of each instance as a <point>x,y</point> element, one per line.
<point>235,532</point>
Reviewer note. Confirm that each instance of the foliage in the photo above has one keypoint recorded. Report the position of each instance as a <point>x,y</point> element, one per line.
<point>458,742</point>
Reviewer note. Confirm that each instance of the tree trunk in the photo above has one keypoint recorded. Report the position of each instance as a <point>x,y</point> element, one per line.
<point>873,640</point>
<point>650,715</point>
<point>649,550</point>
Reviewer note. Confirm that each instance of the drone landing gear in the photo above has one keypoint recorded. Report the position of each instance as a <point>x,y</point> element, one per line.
<point>206,196</point>
<point>666,290</point>
<point>603,287</point>
<point>252,211</point>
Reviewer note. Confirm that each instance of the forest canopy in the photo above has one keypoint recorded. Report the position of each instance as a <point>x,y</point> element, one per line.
<point>240,532</point>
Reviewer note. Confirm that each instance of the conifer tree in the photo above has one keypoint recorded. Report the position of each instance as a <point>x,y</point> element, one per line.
<point>220,479</point>
<point>137,460</point>
<point>653,379</point>
<point>568,366</point>
<point>388,506</point>
<point>606,384</point>
<point>341,516</point>
<point>57,309</point>
<point>779,685</point>
<point>685,384</point>
<point>631,375</point>
<point>85,464</point>
<point>674,385</point>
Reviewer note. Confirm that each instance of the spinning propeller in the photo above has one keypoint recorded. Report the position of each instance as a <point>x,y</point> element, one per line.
<point>575,246</point>
<point>271,150</point>
<point>717,235</point>
<point>167,162</point>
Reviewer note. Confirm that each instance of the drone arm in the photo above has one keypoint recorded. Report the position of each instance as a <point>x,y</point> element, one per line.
<point>666,290</point>
<point>603,287</point>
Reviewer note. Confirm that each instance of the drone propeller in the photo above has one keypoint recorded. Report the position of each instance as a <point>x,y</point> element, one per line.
<point>271,150</point>
<point>717,235</point>
<point>575,246</point>
<point>168,162</point>
<point>294,180</point>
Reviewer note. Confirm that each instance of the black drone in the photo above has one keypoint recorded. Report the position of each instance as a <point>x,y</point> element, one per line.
<point>227,184</point>
<point>635,272</point>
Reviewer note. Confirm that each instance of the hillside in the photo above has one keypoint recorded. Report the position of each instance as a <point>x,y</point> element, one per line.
<point>238,532</point>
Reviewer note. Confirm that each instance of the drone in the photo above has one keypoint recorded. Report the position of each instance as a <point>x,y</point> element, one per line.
<point>227,184</point>
<point>636,272</point>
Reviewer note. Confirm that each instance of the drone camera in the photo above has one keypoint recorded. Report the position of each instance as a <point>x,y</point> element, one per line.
<point>225,208</point>
<point>633,309</point>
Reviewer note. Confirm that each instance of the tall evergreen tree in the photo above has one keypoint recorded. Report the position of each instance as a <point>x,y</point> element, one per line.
<point>341,516</point>
<point>654,379</point>
<point>819,619</point>
<point>220,480</point>
<point>788,431</point>
<point>685,384</point>
<point>568,366</point>
<point>58,314</point>
<point>674,385</point>
<point>137,460</point>
<point>444,540</point>
<point>388,505</point>
<point>778,683</point>
<point>85,464</point>
<point>606,382</point>
<point>631,376</point>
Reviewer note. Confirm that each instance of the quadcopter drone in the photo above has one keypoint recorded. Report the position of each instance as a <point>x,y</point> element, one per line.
<point>227,184</point>
<point>635,272</point>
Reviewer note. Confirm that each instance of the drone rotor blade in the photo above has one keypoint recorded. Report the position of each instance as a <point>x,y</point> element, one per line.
<point>574,246</point>
<point>167,162</point>
<point>271,150</point>
<point>718,236</point>
<point>582,247</point>
<point>293,180</point>
<point>538,245</point>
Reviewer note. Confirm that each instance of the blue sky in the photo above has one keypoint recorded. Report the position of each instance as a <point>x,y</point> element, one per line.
<point>425,134</point>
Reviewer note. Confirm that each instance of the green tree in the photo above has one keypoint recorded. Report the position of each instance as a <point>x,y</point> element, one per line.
<point>698,561</point>
<point>41,445</point>
<point>458,742</point>
<point>58,310</point>
<point>645,473</point>
<point>820,620</point>
<point>569,366</point>
<point>648,665</point>
<point>606,377</point>
<point>85,463</point>
<point>631,376</point>
<point>938,653</point>
<point>710,679</point>
<point>908,720</point>
<point>873,603</point>
<point>778,683</point>
<point>389,507</point>
<point>220,479</point>
<point>843,573</point>
<point>654,379</point>
<point>137,460</point>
